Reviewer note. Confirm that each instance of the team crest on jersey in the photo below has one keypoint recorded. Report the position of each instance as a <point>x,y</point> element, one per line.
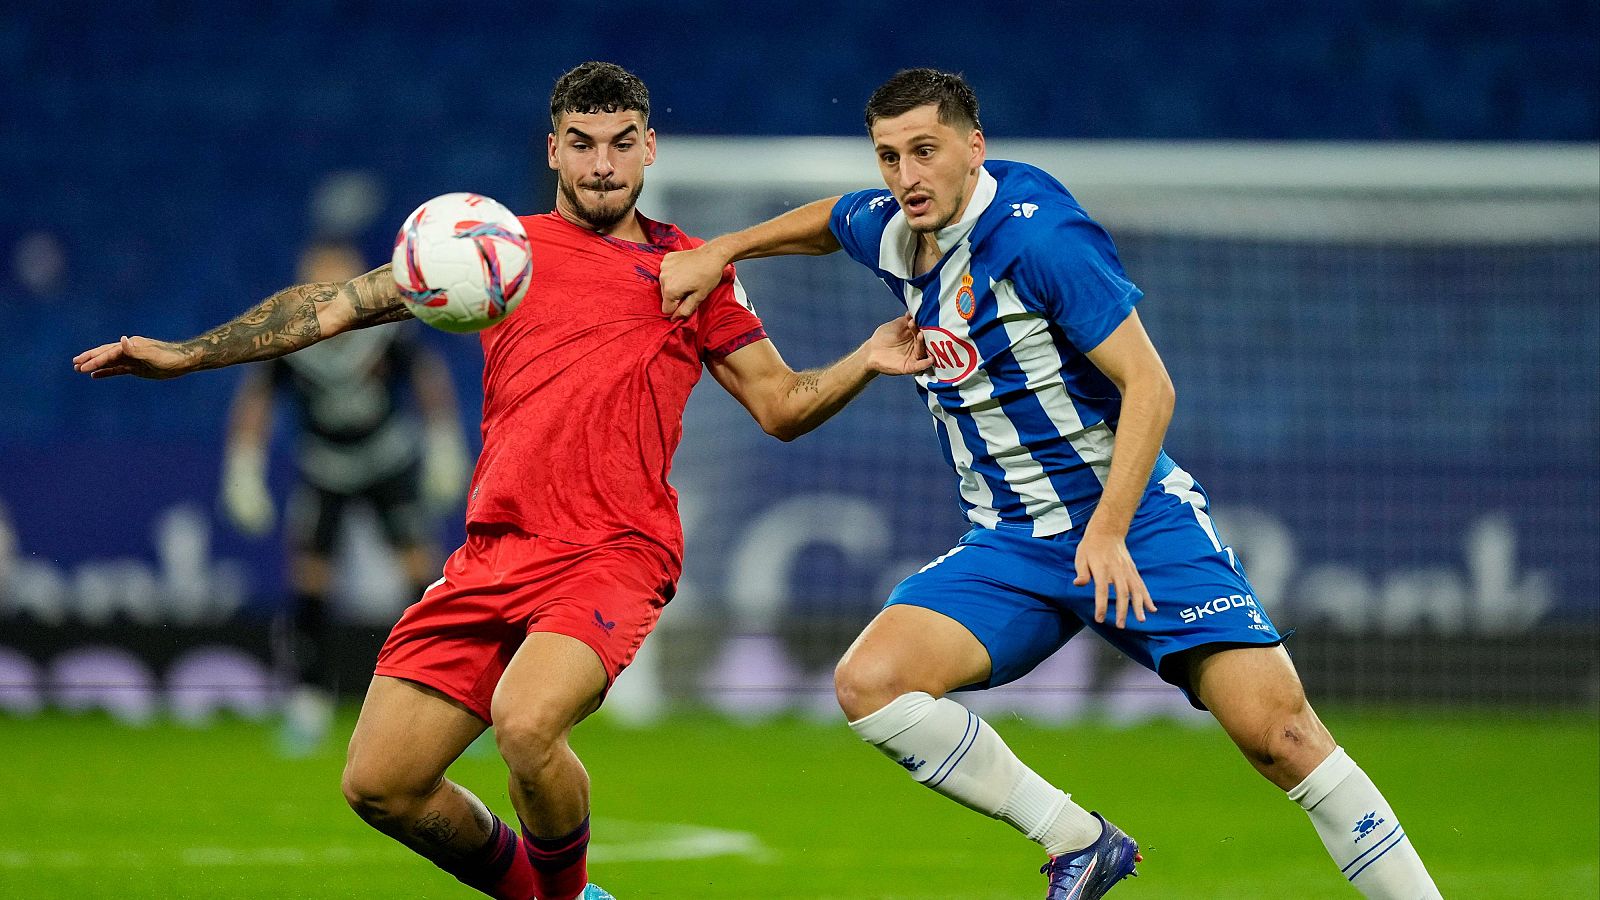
<point>953,357</point>
<point>966,302</point>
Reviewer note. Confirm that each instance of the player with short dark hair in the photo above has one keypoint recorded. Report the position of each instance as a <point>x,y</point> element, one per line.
<point>952,98</point>
<point>1051,404</point>
<point>573,540</point>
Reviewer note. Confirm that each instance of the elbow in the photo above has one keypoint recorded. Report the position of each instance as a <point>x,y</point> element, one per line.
<point>781,425</point>
<point>1166,391</point>
<point>1154,393</point>
<point>785,431</point>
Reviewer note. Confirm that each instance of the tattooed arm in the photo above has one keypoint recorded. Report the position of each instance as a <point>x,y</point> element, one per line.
<point>293,318</point>
<point>788,404</point>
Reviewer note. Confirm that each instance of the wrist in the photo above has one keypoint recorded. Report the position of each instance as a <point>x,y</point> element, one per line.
<point>1107,523</point>
<point>866,365</point>
<point>726,248</point>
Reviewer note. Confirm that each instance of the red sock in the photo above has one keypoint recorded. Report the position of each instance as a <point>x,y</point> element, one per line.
<point>560,866</point>
<point>500,869</point>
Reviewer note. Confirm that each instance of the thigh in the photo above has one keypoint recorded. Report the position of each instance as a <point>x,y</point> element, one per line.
<point>1244,685</point>
<point>1203,599</point>
<point>607,597</point>
<point>553,682</point>
<point>917,649</point>
<point>462,633</point>
<point>408,734</point>
<point>998,591</point>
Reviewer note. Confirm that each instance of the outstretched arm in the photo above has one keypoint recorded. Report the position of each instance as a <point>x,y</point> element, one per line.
<point>289,320</point>
<point>689,275</point>
<point>788,404</point>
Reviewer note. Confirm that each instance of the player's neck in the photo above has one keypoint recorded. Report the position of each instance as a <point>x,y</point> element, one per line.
<point>627,228</point>
<point>928,250</point>
<point>928,253</point>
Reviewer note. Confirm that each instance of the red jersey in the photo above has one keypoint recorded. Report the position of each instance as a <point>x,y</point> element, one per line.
<point>584,387</point>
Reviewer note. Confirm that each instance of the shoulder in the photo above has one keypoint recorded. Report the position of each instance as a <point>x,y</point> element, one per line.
<point>871,207</point>
<point>1033,213</point>
<point>540,223</point>
<point>667,236</point>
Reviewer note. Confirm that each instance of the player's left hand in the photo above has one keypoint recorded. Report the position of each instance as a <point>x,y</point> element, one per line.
<point>1104,559</point>
<point>897,348</point>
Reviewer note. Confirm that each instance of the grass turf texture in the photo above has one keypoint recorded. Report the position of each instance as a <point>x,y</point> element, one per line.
<point>1501,806</point>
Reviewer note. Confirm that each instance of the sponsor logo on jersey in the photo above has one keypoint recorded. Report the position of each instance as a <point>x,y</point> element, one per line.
<point>953,358</point>
<point>966,302</point>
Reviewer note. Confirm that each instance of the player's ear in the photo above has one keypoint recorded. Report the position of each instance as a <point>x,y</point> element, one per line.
<point>649,146</point>
<point>977,147</point>
<point>550,151</point>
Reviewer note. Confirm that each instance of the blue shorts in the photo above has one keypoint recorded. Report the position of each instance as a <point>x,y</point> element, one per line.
<point>1014,592</point>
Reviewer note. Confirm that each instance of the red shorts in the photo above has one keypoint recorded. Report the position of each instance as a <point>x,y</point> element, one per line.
<point>501,586</point>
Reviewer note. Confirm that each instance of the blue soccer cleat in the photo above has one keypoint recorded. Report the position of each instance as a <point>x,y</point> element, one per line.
<point>1092,872</point>
<point>595,892</point>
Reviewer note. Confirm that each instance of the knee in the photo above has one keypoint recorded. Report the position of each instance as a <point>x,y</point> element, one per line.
<point>1289,743</point>
<point>866,684</point>
<point>529,742</point>
<point>380,796</point>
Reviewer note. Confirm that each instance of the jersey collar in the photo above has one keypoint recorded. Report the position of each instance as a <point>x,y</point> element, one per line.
<point>901,242</point>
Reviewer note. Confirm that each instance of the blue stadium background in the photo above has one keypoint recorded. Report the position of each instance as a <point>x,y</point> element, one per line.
<point>173,152</point>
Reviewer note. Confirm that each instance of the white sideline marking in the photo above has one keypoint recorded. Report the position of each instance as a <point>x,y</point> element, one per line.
<point>640,842</point>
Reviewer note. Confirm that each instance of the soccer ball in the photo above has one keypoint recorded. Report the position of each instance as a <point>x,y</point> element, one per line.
<point>462,262</point>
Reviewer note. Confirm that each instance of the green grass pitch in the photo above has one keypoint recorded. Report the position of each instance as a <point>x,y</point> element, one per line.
<point>1501,806</point>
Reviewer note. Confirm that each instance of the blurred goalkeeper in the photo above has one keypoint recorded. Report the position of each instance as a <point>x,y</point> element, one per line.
<point>1051,404</point>
<point>358,445</point>
<point>573,538</point>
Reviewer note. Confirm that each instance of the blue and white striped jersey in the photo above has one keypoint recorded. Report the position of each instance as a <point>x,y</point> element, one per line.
<point>1028,283</point>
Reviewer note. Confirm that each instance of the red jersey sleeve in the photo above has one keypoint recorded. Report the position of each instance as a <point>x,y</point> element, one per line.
<point>727,320</point>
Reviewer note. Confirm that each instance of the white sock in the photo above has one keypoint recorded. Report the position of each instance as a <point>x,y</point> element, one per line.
<point>1361,832</point>
<point>948,748</point>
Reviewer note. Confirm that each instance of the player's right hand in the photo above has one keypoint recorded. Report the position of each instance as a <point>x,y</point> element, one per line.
<point>688,277</point>
<point>140,356</point>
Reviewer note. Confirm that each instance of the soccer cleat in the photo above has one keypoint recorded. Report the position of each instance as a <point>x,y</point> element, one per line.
<point>595,892</point>
<point>1091,872</point>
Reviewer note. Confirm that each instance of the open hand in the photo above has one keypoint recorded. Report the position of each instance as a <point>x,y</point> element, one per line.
<point>896,348</point>
<point>140,356</point>
<point>688,277</point>
<point>1104,560</point>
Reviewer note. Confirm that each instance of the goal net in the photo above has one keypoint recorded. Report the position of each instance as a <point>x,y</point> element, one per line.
<point>1386,359</point>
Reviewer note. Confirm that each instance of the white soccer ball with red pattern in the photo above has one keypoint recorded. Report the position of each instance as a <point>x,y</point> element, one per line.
<point>462,262</point>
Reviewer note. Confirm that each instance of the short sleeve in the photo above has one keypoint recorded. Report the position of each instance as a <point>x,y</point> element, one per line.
<point>1073,270</point>
<point>727,320</point>
<point>858,221</point>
